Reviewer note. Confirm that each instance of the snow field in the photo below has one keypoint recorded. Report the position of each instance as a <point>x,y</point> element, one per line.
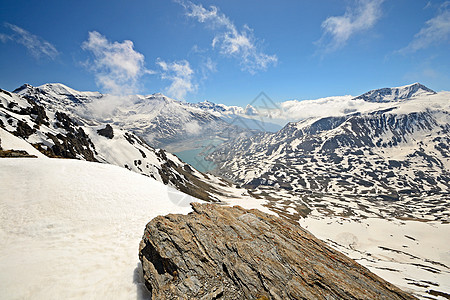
<point>71,229</point>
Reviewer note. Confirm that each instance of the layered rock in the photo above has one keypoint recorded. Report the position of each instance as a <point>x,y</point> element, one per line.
<point>219,252</point>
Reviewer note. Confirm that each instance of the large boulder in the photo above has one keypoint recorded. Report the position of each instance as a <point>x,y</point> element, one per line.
<point>219,252</point>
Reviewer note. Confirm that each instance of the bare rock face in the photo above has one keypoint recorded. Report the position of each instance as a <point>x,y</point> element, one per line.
<point>219,252</point>
<point>107,132</point>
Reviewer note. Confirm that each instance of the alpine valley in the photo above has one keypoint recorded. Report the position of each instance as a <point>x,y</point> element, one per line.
<point>372,182</point>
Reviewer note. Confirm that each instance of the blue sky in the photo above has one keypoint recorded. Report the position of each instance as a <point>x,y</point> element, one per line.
<point>226,51</point>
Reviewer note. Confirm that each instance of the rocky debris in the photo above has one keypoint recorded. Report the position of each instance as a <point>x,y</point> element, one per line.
<point>219,252</point>
<point>106,132</point>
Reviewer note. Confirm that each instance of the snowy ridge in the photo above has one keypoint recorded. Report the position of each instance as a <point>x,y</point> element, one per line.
<point>11,142</point>
<point>83,222</point>
<point>397,93</point>
<point>57,94</point>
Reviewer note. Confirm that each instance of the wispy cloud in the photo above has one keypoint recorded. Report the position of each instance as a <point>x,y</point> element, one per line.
<point>37,46</point>
<point>207,67</point>
<point>4,37</point>
<point>117,66</point>
<point>337,30</point>
<point>181,76</point>
<point>230,41</point>
<point>435,31</point>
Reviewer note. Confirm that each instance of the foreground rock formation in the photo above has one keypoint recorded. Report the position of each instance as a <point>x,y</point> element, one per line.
<point>219,252</point>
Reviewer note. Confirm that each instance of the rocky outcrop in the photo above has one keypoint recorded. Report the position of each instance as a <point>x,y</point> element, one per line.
<point>15,153</point>
<point>107,132</point>
<point>219,252</point>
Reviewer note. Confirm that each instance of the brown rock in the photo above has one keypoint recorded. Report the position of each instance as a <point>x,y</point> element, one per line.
<point>219,252</point>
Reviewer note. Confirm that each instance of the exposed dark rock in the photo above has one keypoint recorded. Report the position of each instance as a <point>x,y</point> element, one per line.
<point>438,293</point>
<point>129,138</point>
<point>5,92</point>
<point>106,132</point>
<point>142,153</point>
<point>23,130</point>
<point>72,145</point>
<point>15,153</point>
<point>219,252</point>
<point>64,121</point>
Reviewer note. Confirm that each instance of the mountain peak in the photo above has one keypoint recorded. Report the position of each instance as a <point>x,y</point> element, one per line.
<point>22,88</point>
<point>396,94</point>
<point>162,97</point>
<point>61,89</point>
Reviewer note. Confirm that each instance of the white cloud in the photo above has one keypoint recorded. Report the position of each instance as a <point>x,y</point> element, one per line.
<point>229,40</point>
<point>436,30</point>
<point>37,46</point>
<point>294,110</point>
<point>117,66</point>
<point>192,127</point>
<point>337,30</point>
<point>181,76</point>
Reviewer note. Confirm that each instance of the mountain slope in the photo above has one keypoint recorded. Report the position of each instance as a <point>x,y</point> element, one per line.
<point>373,184</point>
<point>398,153</point>
<point>57,132</point>
<point>71,229</point>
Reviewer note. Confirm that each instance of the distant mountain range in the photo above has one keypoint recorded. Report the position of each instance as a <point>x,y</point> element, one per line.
<point>399,153</point>
<point>161,121</point>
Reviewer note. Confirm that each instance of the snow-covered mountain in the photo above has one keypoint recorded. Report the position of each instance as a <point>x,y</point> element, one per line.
<point>398,154</point>
<point>161,121</point>
<point>373,184</point>
<point>396,94</point>
<point>43,121</point>
<point>334,106</point>
<point>246,117</point>
<point>222,109</point>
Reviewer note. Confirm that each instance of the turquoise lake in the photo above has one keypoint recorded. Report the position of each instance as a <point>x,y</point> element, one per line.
<point>193,157</point>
